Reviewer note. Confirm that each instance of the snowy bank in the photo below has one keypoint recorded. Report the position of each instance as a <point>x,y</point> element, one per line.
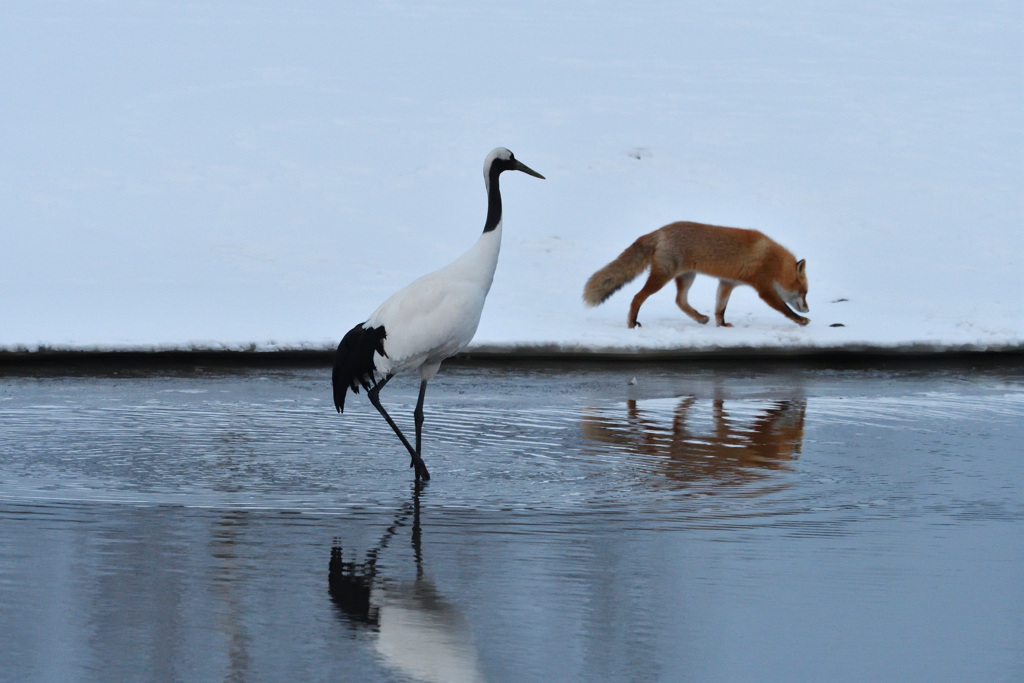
<point>261,176</point>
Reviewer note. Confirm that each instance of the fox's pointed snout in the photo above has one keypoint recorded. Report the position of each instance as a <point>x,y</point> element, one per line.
<point>800,304</point>
<point>795,299</point>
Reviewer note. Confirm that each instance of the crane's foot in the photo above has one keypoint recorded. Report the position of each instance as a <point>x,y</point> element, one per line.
<point>421,469</point>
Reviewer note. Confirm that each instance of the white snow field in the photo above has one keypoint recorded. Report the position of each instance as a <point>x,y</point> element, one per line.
<point>236,175</point>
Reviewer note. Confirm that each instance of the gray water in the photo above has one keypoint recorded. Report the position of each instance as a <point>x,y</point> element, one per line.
<point>583,523</point>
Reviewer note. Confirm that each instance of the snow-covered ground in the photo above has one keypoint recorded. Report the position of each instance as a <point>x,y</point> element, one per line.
<point>236,174</point>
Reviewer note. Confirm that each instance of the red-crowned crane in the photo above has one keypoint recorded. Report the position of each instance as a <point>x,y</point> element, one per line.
<point>429,320</point>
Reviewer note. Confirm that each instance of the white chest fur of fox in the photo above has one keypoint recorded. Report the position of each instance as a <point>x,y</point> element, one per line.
<point>679,251</point>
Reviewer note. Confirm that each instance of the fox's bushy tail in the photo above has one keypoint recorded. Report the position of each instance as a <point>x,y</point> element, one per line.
<point>630,263</point>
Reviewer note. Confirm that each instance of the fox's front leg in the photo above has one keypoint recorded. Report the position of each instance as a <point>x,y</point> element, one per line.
<point>725,288</point>
<point>683,283</point>
<point>771,298</point>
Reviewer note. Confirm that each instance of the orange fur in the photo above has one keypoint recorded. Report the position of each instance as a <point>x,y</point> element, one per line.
<point>733,255</point>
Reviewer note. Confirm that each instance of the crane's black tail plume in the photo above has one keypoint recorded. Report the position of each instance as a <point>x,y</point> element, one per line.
<point>353,362</point>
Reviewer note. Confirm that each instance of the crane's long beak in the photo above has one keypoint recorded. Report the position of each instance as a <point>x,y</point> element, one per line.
<point>520,166</point>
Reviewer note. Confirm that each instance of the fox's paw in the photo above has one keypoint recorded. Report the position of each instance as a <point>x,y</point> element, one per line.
<point>703,319</point>
<point>802,321</point>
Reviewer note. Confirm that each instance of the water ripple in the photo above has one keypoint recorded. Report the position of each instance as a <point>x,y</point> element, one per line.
<point>808,462</point>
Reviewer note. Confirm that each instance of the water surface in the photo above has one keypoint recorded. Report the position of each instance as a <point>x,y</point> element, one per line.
<point>631,522</point>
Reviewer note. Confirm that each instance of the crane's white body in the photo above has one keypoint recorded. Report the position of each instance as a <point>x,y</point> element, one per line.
<point>436,316</point>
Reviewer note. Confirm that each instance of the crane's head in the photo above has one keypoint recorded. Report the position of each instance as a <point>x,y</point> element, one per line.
<point>501,159</point>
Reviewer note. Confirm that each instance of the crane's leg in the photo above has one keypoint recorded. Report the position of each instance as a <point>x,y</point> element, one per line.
<point>417,462</point>
<point>418,416</point>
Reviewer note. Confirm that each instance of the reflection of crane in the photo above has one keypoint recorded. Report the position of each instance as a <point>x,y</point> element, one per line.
<point>227,572</point>
<point>429,320</point>
<point>416,631</point>
<point>733,449</point>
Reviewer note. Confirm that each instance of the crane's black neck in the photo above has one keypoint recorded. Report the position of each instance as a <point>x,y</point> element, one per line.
<point>493,198</point>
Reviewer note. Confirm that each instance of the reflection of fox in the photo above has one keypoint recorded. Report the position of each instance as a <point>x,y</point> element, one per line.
<point>681,250</point>
<point>733,448</point>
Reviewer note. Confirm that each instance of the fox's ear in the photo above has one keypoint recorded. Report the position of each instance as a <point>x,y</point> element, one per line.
<point>800,265</point>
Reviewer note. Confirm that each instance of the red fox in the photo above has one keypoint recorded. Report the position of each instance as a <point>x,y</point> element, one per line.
<point>681,250</point>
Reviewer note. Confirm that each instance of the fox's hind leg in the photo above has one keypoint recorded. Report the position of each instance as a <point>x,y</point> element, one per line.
<point>655,281</point>
<point>725,288</point>
<point>683,283</point>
